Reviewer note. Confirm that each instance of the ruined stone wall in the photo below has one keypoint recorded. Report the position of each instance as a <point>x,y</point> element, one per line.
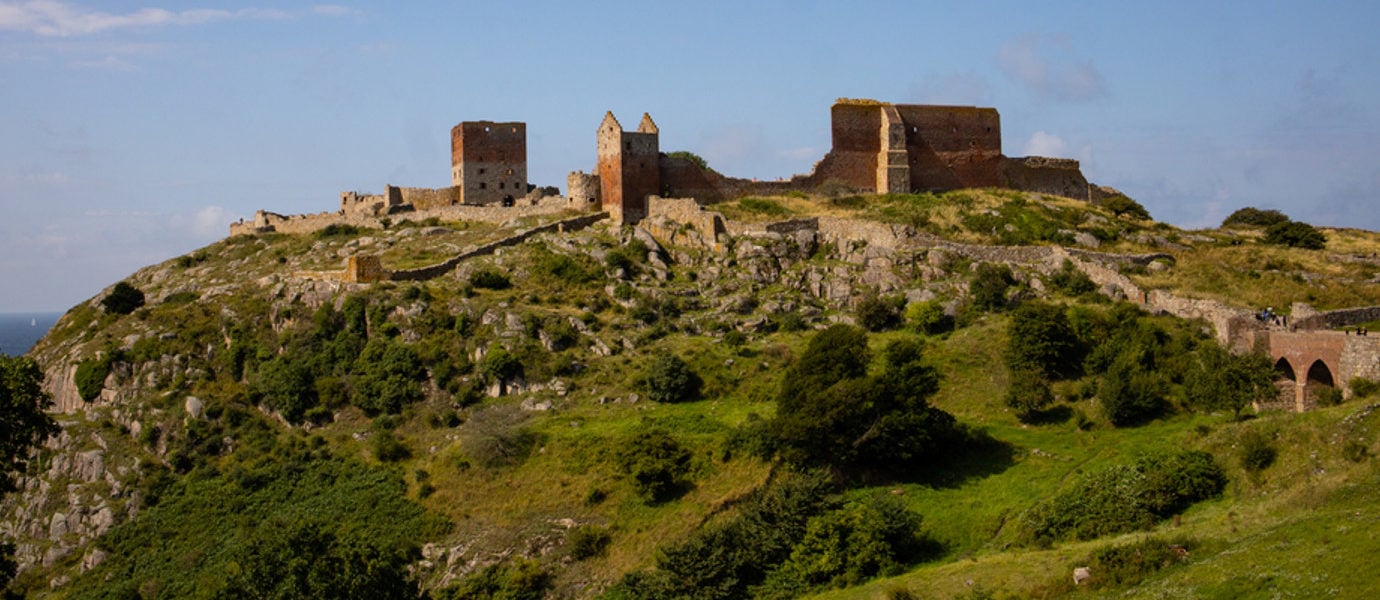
<point>582,191</point>
<point>489,161</point>
<point>427,198</point>
<point>852,160</point>
<point>1360,358</point>
<point>951,147</point>
<point>268,222</point>
<point>367,204</point>
<point>1334,319</point>
<point>1056,176</point>
<point>683,178</point>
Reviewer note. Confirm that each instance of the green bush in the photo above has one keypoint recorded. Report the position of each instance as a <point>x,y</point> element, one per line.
<point>877,313</point>
<point>669,379</point>
<point>989,285</point>
<point>1255,451</point>
<point>520,579</point>
<point>929,317</point>
<point>286,386</point>
<point>387,376</point>
<point>90,376</point>
<point>1123,206</point>
<point>1041,340</point>
<point>338,230</point>
<point>587,541</point>
<point>490,279</point>
<point>1129,564</point>
<point>1254,217</point>
<point>1028,396</point>
<point>858,541</point>
<point>1295,235</point>
<point>830,411</point>
<point>1070,281</point>
<point>693,158</point>
<point>1362,387</point>
<point>387,447</point>
<point>1328,396</point>
<point>656,464</point>
<point>1124,498</point>
<point>123,299</point>
<point>500,365</point>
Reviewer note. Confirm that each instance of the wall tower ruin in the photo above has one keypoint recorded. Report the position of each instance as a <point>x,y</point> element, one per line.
<point>488,161</point>
<point>628,168</point>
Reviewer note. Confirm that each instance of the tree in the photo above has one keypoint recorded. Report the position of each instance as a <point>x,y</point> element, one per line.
<point>1220,380</point>
<point>310,561</point>
<point>388,375</point>
<point>1029,395</point>
<point>876,313</point>
<point>286,386</point>
<point>989,286</point>
<point>669,379</point>
<point>830,412</point>
<point>1295,235</point>
<point>1041,340</point>
<point>123,299</point>
<point>1131,394</point>
<point>1121,205</point>
<point>656,463</point>
<point>1254,217</point>
<point>24,424</point>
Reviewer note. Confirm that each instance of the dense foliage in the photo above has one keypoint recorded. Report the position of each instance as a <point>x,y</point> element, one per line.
<point>830,411</point>
<point>1254,217</point>
<point>24,422</point>
<point>123,299</point>
<point>989,286</point>
<point>1123,206</point>
<point>1295,234</point>
<point>656,464</point>
<point>669,379</point>
<point>1125,497</point>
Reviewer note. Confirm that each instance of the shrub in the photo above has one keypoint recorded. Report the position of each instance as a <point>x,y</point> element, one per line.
<point>1254,217</point>
<point>1362,387</point>
<point>989,286</point>
<point>497,436</point>
<point>1328,396</point>
<point>830,411</point>
<point>123,299</point>
<point>1255,451</point>
<point>1129,564</point>
<point>1070,281</point>
<point>490,279</point>
<point>338,230</point>
<point>388,448</point>
<point>1295,235</point>
<point>693,158</point>
<point>876,313</point>
<point>1123,206</point>
<point>858,541</point>
<point>521,579</point>
<point>286,386</point>
<point>787,321</point>
<point>1130,394</point>
<point>1220,380</point>
<point>387,376</point>
<point>1042,341</point>
<point>669,379</point>
<point>1123,498</point>
<point>587,541</point>
<point>90,376</point>
<point>656,464</point>
<point>929,317</point>
<point>499,365</point>
<point>1029,395</point>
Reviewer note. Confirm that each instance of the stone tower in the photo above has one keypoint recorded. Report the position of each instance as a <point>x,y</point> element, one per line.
<point>629,168</point>
<point>488,161</point>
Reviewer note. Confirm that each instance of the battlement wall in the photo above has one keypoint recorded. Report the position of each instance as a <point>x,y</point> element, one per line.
<point>1056,176</point>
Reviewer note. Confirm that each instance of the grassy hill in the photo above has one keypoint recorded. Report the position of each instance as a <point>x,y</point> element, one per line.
<point>469,435</point>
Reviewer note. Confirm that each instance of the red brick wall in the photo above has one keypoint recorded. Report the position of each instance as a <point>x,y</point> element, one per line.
<point>952,147</point>
<point>489,161</point>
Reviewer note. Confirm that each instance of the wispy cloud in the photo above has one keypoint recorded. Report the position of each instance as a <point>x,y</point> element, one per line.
<point>52,18</point>
<point>1050,67</point>
<point>1042,143</point>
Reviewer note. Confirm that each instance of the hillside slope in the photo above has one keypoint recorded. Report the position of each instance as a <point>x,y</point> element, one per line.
<point>470,434</point>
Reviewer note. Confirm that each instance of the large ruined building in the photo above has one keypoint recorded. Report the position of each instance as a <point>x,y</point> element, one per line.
<point>878,147</point>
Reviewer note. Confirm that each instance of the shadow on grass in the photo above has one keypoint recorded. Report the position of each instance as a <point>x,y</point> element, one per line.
<point>978,455</point>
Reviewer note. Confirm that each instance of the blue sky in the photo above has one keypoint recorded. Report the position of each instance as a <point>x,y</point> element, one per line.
<point>135,131</point>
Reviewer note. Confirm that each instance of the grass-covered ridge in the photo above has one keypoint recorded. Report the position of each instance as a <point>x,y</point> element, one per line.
<point>535,436</point>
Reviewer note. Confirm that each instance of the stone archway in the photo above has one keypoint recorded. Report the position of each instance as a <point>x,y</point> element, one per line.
<point>1286,382</point>
<point>1318,376</point>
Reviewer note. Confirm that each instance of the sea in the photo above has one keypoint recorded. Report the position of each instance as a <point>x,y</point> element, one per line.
<point>20,331</point>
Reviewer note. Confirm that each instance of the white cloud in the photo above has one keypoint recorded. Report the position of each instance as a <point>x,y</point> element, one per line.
<point>1044,144</point>
<point>52,18</point>
<point>334,10</point>
<point>109,63</point>
<point>211,222</point>
<point>1050,67</point>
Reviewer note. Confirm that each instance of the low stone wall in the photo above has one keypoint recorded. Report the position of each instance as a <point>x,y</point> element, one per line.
<point>667,216</point>
<point>439,269</point>
<point>1333,319</point>
<point>268,222</point>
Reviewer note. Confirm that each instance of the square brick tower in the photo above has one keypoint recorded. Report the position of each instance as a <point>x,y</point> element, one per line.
<point>629,168</point>
<point>488,161</point>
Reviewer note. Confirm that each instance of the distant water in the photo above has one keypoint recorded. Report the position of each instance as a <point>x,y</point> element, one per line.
<point>20,331</point>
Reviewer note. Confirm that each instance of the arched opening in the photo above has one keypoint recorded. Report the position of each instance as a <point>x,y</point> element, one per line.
<point>1320,374</point>
<point>1284,369</point>
<point>507,201</point>
<point>1318,378</point>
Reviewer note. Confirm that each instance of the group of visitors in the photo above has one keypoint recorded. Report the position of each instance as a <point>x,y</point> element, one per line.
<point>1268,316</point>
